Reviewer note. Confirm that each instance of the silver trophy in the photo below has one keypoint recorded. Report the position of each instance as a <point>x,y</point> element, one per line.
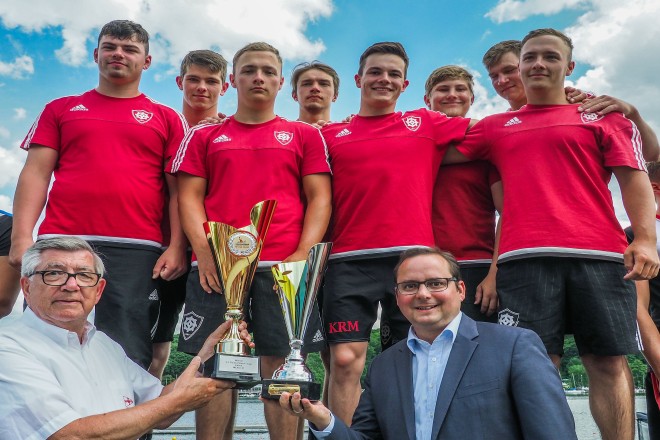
<point>298,284</point>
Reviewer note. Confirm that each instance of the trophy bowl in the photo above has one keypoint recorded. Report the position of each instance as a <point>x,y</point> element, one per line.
<point>298,283</point>
<point>236,254</point>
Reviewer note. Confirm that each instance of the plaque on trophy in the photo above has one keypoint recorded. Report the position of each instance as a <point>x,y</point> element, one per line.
<point>298,283</point>
<point>236,254</point>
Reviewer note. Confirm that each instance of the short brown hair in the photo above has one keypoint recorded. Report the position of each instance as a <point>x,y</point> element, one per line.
<point>385,47</point>
<point>553,33</point>
<point>454,269</point>
<point>213,61</point>
<point>259,46</point>
<point>654,171</point>
<point>446,73</point>
<point>495,53</point>
<point>125,30</point>
<point>306,67</point>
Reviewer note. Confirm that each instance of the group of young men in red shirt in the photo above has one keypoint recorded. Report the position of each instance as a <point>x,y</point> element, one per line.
<point>127,168</point>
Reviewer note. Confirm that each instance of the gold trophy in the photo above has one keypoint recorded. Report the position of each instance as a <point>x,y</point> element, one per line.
<point>236,254</point>
<point>298,284</point>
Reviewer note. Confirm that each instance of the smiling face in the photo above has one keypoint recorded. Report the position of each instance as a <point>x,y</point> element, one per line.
<point>451,97</point>
<point>64,306</point>
<point>429,312</point>
<point>544,64</point>
<point>382,81</point>
<point>121,61</point>
<point>201,87</point>
<point>505,77</point>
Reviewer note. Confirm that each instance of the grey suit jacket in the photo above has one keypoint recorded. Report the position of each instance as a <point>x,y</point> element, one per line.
<point>499,384</point>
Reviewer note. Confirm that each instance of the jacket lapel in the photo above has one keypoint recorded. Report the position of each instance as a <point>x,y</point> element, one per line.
<point>460,355</point>
<point>403,368</point>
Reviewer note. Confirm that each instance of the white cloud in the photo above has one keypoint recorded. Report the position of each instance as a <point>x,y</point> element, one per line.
<point>11,163</point>
<point>5,204</point>
<point>621,43</point>
<point>618,41</point>
<point>19,113</point>
<point>518,10</point>
<point>4,132</point>
<point>176,26</point>
<point>20,68</point>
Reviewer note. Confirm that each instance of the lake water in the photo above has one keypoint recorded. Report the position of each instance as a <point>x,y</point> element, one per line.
<point>250,412</point>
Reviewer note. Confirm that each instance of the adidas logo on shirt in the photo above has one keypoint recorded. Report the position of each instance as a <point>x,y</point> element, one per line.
<point>221,138</point>
<point>153,296</point>
<point>318,336</point>
<point>344,132</point>
<point>78,108</point>
<point>513,121</point>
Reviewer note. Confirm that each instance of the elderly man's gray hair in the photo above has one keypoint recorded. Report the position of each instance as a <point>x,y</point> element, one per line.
<point>32,257</point>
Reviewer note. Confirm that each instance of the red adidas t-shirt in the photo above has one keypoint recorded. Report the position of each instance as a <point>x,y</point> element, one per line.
<point>247,163</point>
<point>463,211</point>
<point>109,179</point>
<point>555,165</point>
<point>384,170</point>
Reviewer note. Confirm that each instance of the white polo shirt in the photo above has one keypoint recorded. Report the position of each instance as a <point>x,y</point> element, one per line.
<point>48,378</point>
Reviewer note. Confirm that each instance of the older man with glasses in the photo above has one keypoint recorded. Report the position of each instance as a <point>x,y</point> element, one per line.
<point>452,378</point>
<point>61,378</point>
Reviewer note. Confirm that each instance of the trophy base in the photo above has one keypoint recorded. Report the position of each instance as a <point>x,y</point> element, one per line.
<point>243,370</point>
<point>272,389</point>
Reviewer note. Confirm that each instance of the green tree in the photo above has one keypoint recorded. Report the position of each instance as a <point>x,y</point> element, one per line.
<point>177,362</point>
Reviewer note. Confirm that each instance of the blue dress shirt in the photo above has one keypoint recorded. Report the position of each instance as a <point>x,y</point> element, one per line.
<point>428,367</point>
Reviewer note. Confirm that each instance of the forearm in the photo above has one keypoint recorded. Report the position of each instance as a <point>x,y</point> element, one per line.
<point>177,237</point>
<point>317,217</point>
<point>638,202</point>
<point>192,215</point>
<point>650,146</point>
<point>318,192</point>
<point>29,201</point>
<point>123,424</point>
<point>496,247</point>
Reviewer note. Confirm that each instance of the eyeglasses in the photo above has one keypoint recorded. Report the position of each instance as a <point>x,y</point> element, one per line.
<point>432,285</point>
<point>60,278</point>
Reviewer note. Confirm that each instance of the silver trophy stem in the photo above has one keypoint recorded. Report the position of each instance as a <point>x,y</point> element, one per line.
<point>294,367</point>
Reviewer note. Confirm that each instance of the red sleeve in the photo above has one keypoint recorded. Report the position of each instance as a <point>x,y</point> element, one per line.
<point>191,155</point>
<point>493,175</point>
<point>448,130</point>
<point>177,127</point>
<point>475,145</point>
<point>315,153</point>
<point>45,130</point>
<point>621,143</point>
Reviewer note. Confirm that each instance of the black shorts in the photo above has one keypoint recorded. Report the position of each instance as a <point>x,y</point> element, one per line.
<point>353,289</point>
<point>556,295</point>
<point>204,312</point>
<point>172,296</point>
<point>5,234</point>
<point>128,309</point>
<point>472,276</point>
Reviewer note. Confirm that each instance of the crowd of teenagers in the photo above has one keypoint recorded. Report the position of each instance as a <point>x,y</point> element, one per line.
<point>474,305</point>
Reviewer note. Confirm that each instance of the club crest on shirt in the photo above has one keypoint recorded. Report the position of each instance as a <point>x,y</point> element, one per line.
<point>190,324</point>
<point>283,137</point>
<point>412,123</point>
<point>142,116</point>
<point>590,117</point>
<point>508,317</point>
<point>128,401</point>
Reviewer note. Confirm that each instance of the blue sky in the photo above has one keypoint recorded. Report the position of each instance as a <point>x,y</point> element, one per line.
<point>47,48</point>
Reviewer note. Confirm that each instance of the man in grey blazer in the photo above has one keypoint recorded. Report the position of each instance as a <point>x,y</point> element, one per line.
<point>453,378</point>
